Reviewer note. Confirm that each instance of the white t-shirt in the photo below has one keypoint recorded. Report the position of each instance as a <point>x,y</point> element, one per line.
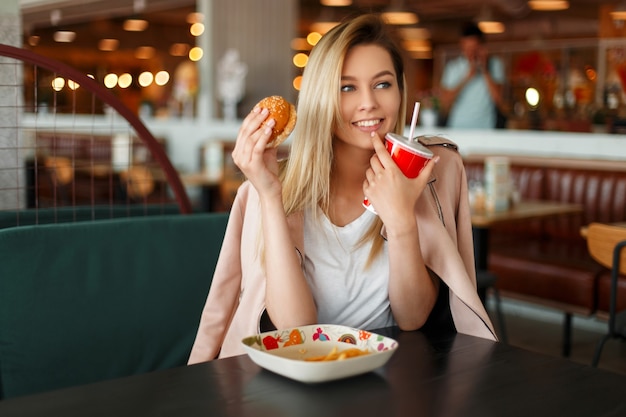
<point>344,291</point>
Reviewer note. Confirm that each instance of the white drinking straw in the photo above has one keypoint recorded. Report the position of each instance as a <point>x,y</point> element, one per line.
<point>416,109</point>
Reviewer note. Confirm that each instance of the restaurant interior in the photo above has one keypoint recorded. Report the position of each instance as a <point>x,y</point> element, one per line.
<point>141,114</point>
<point>567,54</point>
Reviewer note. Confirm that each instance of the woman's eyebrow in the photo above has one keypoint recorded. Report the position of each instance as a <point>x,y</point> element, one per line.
<point>378,75</point>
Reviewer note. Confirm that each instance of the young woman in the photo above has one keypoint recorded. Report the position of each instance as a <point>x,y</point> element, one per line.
<point>301,249</point>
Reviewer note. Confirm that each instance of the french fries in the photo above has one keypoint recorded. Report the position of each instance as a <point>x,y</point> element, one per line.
<point>335,355</point>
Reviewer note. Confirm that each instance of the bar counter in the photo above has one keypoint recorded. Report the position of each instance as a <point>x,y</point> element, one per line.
<point>185,137</point>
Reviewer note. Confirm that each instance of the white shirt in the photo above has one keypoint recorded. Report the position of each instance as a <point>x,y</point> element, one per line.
<point>344,291</point>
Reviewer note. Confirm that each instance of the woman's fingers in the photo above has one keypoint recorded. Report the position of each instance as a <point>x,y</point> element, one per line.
<point>248,126</point>
<point>257,162</point>
<point>258,140</point>
<point>253,136</point>
<point>389,190</point>
<point>381,158</point>
<point>428,168</point>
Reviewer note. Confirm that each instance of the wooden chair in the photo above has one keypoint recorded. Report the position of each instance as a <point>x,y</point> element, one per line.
<point>606,243</point>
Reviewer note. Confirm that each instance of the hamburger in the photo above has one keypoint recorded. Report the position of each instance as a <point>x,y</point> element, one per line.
<point>284,113</point>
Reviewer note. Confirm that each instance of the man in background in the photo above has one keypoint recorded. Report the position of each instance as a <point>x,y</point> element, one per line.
<point>472,84</point>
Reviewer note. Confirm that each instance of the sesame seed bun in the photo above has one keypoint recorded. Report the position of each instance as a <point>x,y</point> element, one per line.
<point>284,113</point>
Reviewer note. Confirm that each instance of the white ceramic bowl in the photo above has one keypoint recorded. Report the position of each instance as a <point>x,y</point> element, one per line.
<point>285,351</point>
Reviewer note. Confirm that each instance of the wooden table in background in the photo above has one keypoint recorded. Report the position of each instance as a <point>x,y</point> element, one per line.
<point>522,211</point>
<point>209,188</point>
<point>483,220</point>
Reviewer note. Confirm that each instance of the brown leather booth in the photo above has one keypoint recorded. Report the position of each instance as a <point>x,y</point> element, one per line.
<point>546,261</point>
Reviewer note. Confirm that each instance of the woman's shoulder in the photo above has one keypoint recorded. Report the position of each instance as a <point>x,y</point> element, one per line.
<point>446,149</point>
<point>436,140</point>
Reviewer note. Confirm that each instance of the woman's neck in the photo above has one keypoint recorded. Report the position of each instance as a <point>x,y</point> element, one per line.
<point>346,183</point>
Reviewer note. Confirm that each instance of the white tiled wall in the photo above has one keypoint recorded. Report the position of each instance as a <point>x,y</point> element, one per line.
<point>10,104</point>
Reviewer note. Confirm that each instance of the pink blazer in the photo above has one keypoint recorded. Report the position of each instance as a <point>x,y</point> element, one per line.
<point>236,299</point>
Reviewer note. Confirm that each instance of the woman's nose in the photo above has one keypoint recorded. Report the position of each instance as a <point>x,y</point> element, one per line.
<point>367,100</point>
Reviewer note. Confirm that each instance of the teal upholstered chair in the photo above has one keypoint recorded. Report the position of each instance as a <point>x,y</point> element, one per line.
<point>88,301</point>
<point>70,214</point>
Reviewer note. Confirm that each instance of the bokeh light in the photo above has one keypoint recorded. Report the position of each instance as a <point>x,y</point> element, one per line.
<point>161,78</point>
<point>145,78</point>
<point>197,29</point>
<point>110,80</point>
<point>195,54</point>
<point>532,97</point>
<point>125,80</point>
<point>300,60</point>
<point>297,82</point>
<point>58,83</point>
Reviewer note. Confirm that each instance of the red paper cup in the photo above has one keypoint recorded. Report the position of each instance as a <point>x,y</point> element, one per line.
<point>410,156</point>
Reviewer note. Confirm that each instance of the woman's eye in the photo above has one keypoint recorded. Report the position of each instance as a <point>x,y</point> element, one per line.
<point>346,88</point>
<point>384,84</point>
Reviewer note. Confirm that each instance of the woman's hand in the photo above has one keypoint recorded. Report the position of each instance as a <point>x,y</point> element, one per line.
<point>288,298</point>
<point>412,292</point>
<point>257,162</point>
<point>392,194</point>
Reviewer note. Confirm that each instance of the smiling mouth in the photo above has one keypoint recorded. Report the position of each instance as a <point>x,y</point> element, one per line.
<point>368,123</point>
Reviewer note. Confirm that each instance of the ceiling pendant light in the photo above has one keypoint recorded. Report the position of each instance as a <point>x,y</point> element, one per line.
<point>398,14</point>
<point>135,25</point>
<point>619,13</point>
<point>548,5</point>
<point>336,3</point>
<point>325,22</point>
<point>108,44</point>
<point>487,23</point>
<point>64,36</point>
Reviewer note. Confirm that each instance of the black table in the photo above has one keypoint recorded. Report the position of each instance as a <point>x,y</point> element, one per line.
<point>430,375</point>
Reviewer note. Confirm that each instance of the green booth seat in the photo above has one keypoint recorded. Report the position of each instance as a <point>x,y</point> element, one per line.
<point>70,214</point>
<point>88,301</point>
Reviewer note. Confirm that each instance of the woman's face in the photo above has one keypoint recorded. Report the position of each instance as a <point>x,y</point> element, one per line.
<point>370,96</point>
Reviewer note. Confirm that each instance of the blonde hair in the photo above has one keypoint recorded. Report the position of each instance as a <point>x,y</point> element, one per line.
<point>306,173</point>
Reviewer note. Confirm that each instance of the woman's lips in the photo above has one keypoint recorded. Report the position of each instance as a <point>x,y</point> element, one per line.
<point>370,125</point>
